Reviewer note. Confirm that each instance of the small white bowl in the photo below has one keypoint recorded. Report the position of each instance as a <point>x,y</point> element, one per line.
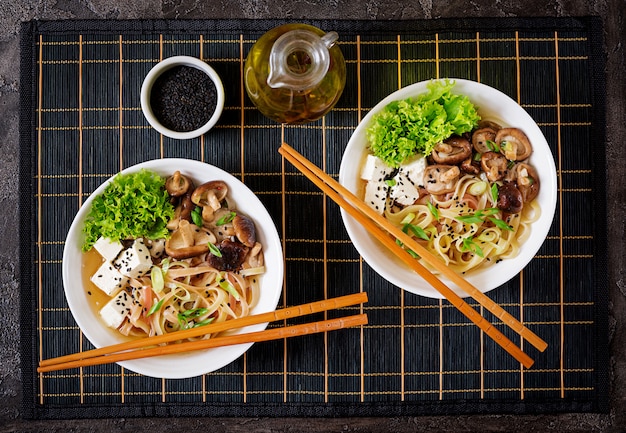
<point>155,73</point>
<point>195,363</point>
<point>492,105</point>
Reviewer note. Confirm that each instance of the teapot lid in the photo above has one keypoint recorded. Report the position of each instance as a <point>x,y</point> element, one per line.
<point>299,59</point>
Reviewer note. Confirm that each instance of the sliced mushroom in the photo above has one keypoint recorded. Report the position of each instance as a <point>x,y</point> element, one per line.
<point>509,198</point>
<point>233,254</point>
<point>488,124</point>
<point>441,179</point>
<point>527,181</point>
<point>186,205</point>
<point>471,166</point>
<point>255,258</point>
<point>452,151</point>
<point>244,230</point>
<point>481,138</point>
<point>210,194</point>
<point>185,243</point>
<point>177,184</point>
<point>514,144</point>
<point>494,165</point>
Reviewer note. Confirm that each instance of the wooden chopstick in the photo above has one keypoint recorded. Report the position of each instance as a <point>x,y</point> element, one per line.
<point>286,313</point>
<point>367,217</point>
<point>251,337</point>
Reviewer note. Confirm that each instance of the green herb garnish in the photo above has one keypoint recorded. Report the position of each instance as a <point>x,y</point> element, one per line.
<point>411,126</point>
<point>226,285</point>
<point>215,250</point>
<point>494,192</point>
<point>433,210</point>
<point>470,245</point>
<point>132,206</point>
<point>196,216</point>
<point>500,224</point>
<point>226,219</point>
<point>155,307</point>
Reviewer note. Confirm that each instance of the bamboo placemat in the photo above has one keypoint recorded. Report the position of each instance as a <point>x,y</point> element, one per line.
<point>81,122</point>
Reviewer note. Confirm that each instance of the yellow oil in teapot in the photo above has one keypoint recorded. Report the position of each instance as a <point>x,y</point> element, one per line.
<point>295,73</point>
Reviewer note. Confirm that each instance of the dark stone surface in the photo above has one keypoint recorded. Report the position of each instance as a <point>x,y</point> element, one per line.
<point>12,12</point>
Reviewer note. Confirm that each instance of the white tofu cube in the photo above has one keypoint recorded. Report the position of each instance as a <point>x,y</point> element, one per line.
<point>134,261</point>
<point>403,191</point>
<point>108,279</point>
<point>115,311</point>
<point>375,169</point>
<point>414,170</point>
<point>376,195</point>
<point>109,249</point>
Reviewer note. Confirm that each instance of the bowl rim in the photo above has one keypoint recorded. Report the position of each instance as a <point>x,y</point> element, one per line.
<point>163,66</point>
<point>378,257</point>
<point>193,364</point>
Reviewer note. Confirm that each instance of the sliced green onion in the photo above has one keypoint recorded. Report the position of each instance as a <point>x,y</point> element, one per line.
<point>477,156</point>
<point>226,219</point>
<point>196,216</point>
<point>487,211</point>
<point>477,188</point>
<point>408,218</point>
<point>195,312</point>
<point>494,192</point>
<point>413,254</point>
<point>204,322</point>
<point>156,276</point>
<point>510,165</point>
<point>155,307</point>
<point>493,146</point>
<point>470,245</point>
<point>214,250</point>
<point>165,265</point>
<point>500,224</point>
<point>390,182</point>
<point>469,219</point>
<point>433,210</point>
<point>226,285</point>
<point>416,230</point>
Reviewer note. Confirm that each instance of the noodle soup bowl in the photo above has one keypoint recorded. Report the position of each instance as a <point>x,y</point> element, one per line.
<point>188,364</point>
<point>492,105</point>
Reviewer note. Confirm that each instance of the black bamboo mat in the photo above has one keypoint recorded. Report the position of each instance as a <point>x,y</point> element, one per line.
<point>81,122</point>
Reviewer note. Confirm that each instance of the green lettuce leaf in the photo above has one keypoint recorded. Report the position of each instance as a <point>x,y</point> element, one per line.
<point>132,206</point>
<point>415,125</point>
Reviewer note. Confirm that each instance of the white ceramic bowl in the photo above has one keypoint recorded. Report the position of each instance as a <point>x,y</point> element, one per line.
<point>160,68</point>
<point>492,105</point>
<point>193,363</point>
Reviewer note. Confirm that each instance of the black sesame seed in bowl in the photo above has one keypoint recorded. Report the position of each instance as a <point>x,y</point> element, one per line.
<point>182,97</point>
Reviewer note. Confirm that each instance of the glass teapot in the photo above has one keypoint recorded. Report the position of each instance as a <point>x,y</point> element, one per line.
<point>295,73</point>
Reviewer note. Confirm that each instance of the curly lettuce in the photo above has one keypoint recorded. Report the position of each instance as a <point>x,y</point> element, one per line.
<point>131,206</point>
<point>415,125</point>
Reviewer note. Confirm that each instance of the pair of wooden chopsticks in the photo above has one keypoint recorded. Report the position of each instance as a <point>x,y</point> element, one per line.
<point>155,346</point>
<point>380,227</point>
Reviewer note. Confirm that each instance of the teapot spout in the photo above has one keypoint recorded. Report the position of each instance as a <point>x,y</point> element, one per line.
<point>329,39</point>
